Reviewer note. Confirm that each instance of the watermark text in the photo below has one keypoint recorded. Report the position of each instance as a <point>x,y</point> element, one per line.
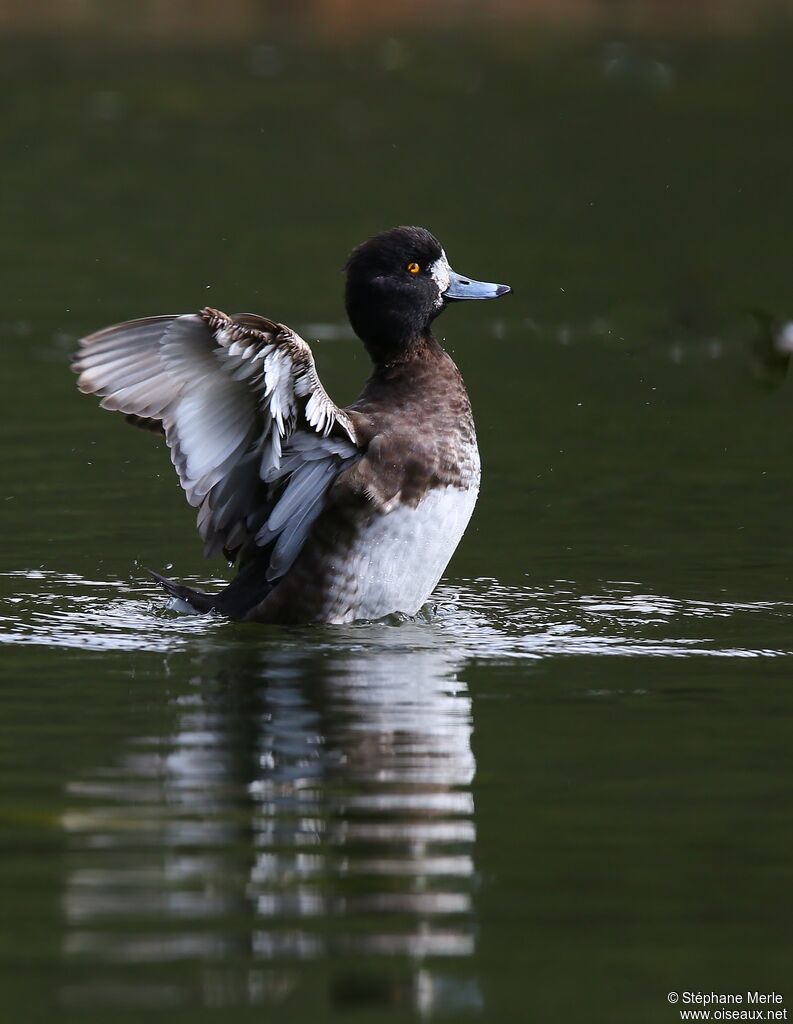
<point>717,1006</point>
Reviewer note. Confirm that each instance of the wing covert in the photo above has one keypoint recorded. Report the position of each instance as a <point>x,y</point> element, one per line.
<point>254,437</point>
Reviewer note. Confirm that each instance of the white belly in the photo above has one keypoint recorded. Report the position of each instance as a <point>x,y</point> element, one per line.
<point>399,557</point>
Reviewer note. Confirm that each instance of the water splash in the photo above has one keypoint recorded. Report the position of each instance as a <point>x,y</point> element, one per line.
<point>481,619</point>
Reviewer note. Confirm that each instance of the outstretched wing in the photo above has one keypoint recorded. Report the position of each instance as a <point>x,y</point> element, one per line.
<point>254,437</point>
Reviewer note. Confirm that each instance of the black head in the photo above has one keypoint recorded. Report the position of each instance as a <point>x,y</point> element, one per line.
<point>397,283</point>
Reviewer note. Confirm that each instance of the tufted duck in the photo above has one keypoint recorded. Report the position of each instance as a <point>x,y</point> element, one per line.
<point>332,514</point>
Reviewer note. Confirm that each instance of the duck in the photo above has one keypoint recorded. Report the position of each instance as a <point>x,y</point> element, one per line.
<point>333,515</point>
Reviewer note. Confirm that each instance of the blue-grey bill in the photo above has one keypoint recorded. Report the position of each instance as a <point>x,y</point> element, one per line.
<point>464,288</point>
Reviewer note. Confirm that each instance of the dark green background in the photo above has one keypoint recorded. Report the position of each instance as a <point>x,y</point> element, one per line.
<point>190,809</point>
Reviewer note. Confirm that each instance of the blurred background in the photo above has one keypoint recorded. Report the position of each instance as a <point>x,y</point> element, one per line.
<point>563,791</point>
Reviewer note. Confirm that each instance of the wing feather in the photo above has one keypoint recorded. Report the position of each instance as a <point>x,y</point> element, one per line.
<point>254,437</point>
<point>295,529</point>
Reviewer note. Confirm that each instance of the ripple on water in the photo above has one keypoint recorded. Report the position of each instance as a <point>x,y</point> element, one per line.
<point>309,799</point>
<point>297,807</point>
<point>483,619</point>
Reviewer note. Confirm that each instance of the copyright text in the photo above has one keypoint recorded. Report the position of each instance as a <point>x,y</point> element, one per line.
<point>729,1005</point>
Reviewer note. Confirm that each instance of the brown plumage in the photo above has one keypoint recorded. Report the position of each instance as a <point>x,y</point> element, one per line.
<point>333,514</point>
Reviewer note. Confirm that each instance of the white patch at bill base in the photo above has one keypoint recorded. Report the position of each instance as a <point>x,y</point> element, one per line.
<point>440,272</point>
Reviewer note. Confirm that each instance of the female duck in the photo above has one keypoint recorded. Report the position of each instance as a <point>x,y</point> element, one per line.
<point>333,514</point>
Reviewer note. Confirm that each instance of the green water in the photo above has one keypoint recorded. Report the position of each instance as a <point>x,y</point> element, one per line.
<point>565,789</point>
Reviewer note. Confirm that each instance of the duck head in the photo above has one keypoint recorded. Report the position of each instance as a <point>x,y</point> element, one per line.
<point>397,283</point>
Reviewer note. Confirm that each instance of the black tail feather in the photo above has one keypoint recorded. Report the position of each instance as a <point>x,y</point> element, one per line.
<point>197,599</point>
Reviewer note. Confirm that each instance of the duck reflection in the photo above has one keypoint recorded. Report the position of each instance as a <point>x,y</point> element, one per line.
<point>311,802</point>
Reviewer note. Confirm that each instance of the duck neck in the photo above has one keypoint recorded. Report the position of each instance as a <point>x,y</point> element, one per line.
<point>386,356</point>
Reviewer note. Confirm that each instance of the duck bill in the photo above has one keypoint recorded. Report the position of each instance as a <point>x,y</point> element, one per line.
<point>462,288</point>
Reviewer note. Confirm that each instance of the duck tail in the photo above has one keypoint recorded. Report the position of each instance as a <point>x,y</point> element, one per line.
<point>198,600</point>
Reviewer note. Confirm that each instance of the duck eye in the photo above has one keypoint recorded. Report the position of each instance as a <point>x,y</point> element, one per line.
<point>413,268</point>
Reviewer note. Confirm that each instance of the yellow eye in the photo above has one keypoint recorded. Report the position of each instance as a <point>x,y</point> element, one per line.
<point>413,268</point>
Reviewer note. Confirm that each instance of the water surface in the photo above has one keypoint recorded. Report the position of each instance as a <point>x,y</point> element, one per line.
<point>564,789</point>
